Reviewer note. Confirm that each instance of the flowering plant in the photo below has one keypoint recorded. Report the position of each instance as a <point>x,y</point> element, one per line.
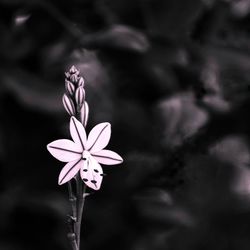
<point>83,154</point>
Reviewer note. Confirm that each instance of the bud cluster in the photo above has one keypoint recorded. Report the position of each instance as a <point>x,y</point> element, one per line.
<point>74,98</point>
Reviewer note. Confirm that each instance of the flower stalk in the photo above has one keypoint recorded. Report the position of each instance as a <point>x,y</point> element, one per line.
<point>83,155</point>
<point>76,95</point>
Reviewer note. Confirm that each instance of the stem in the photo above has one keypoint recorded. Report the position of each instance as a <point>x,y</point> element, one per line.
<point>77,203</point>
<point>66,23</point>
<point>72,239</point>
<point>81,188</point>
<point>72,200</point>
<point>72,219</point>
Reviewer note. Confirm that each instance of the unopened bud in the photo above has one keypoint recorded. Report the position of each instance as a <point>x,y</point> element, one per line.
<point>80,96</point>
<point>81,82</point>
<point>74,78</point>
<point>68,105</point>
<point>73,70</point>
<point>67,74</point>
<point>70,87</point>
<point>84,114</point>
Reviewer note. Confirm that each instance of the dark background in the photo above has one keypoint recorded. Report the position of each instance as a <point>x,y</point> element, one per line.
<point>173,78</point>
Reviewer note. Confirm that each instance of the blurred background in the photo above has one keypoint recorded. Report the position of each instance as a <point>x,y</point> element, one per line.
<point>173,79</point>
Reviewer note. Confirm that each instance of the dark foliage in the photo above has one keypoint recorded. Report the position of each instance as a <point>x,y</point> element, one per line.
<point>173,78</point>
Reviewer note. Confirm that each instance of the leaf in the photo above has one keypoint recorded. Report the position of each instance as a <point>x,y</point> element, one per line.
<point>157,206</point>
<point>181,118</point>
<point>119,37</point>
<point>232,149</point>
<point>32,92</point>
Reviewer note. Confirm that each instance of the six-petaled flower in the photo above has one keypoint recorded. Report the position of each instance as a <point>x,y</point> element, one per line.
<point>84,153</point>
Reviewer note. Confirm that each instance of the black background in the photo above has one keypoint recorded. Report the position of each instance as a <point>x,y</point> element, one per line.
<point>173,78</point>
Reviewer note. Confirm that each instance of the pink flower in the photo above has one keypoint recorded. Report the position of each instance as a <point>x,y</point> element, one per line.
<point>84,153</point>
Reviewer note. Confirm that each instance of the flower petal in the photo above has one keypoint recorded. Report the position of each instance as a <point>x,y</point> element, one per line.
<point>69,171</point>
<point>77,132</point>
<point>107,157</point>
<point>65,150</point>
<point>91,173</point>
<point>99,137</point>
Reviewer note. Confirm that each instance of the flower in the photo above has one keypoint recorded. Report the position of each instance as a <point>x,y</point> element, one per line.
<point>84,153</point>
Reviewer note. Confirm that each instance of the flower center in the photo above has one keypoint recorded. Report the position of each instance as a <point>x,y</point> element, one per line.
<point>85,155</point>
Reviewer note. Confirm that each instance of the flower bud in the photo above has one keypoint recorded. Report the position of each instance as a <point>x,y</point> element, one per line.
<point>80,96</point>
<point>74,78</point>
<point>67,74</point>
<point>70,87</point>
<point>81,82</point>
<point>73,70</point>
<point>68,105</point>
<point>84,114</point>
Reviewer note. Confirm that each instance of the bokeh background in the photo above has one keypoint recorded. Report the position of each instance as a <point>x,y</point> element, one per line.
<point>173,78</point>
